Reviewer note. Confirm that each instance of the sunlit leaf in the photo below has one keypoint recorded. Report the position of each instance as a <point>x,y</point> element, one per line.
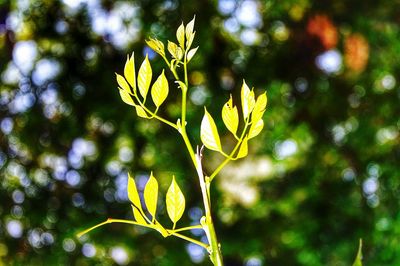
<point>141,112</point>
<point>126,97</point>
<point>122,83</point>
<point>151,195</point>
<point>230,116</point>
<point>358,260</point>
<point>129,72</point>
<point>156,45</point>
<point>159,90</point>
<point>138,216</point>
<point>175,201</point>
<point>191,53</point>
<point>259,107</point>
<point>189,33</point>
<point>256,128</point>
<point>243,150</point>
<point>133,194</point>
<point>175,50</point>
<point>180,36</point>
<point>209,133</point>
<point>248,100</point>
<point>144,77</point>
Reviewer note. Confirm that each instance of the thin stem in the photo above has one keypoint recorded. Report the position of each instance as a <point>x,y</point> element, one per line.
<point>222,165</point>
<point>190,240</point>
<point>154,114</point>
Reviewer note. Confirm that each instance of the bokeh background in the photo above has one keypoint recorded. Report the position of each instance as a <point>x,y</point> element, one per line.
<point>323,173</point>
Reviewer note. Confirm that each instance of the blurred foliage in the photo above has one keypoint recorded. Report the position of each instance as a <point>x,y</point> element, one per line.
<point>324,172</point>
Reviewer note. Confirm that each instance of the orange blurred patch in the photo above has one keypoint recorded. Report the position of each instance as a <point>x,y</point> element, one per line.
<point>356,52</point>
<point>322,27</point>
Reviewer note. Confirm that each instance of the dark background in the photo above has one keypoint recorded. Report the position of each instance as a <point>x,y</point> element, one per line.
<point>323,173</point>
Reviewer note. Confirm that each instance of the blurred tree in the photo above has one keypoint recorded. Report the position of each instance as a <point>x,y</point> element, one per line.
<point>325,173</point>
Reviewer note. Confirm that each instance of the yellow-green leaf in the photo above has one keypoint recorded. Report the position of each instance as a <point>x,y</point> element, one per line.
<point>189,33</point>
<point>175,50</point>
<point>230,116</point>
<point>358,260</point>
<point>122,83</point>
<point>175,201</point>
<point>141,112</point>
<point>180,35</point>
<point>156,45</point>
<point>129,72</point>
<point>126,97</point>
<point>159,91</point>
<point>259,107</point>
<point>209,133</point>
<point>144,77</point>
<point>133,194</point>
<point>248,100</point>
<point>243,150</point>
<point>256,128</point>
<point>138,216</point>
<point>151,195</point>
<point>191,53</point>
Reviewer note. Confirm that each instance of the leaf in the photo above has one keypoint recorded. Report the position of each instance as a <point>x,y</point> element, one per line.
<point>259,107</point>
<point>141,112</point>
<point>129,72</point>
<point>159,90</point>
<point>175,50</point>
<point>138,215</point>
<point>180,36</point>
<point>175,201</point>
<point>230,116</point>
<point>209,133</point>
<point>126,97</point>
<point>133,194</point>
<point>156,45</point>
<point>191,53</point>
<point>144,77</point>
<point>248,100</point>
<point>151,195</point>
<point>189,32</point>
<point>358,260</point>
<point>256,128</point>
<point>243,150</point>
<point>122,83</point>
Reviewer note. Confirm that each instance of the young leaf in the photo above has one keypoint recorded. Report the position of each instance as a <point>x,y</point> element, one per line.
<point>209,133</point>
<point>175,201</point>
<point>151,195</point>
<point>156,45</point>
<point>259,107</point>
<point>141,112</point>
<point>159,90</point>
<point>175,50</point>
<point>243,150</point>
<point>180,36</point>
<point>126,97</point>
<point>129,72</point>
<point>230,116</point>
<point>191,53</point>
<point>248,100</point>
<point>144,77</point>
<point>122,83</point>
<point>133,194</point>
<point>358,260</point>
<point>256,128</point>
<point>138,216</point>
<point>189,33</point>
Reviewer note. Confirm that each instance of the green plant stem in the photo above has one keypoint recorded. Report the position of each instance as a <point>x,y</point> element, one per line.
<point>187,228</point>
<point>229,158</point>
<point>214,248</point>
